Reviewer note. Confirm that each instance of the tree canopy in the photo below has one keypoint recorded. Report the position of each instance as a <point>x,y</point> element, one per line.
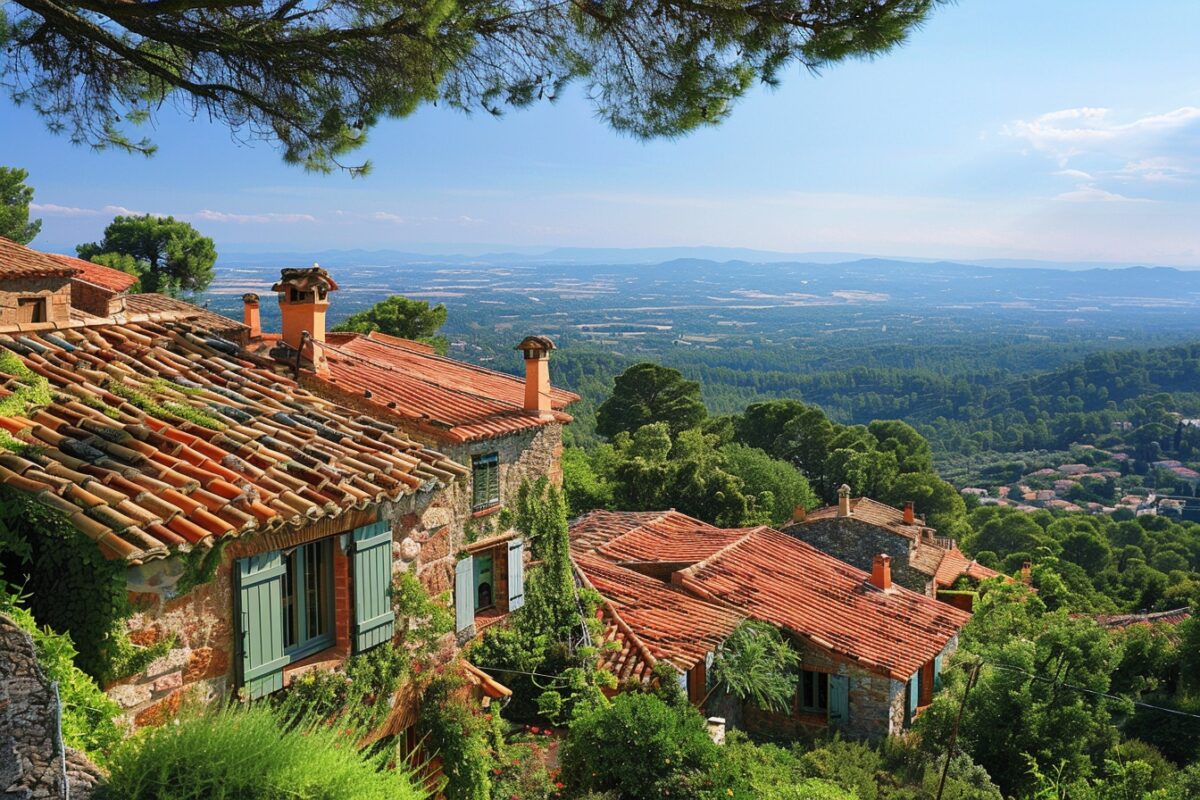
<point>400,316</point>
<point>314,76</point>
<point>15,198</point>
<point>647,393</point>
<point>168,255</point>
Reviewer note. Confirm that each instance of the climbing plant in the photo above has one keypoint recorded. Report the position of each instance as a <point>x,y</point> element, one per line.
<point>71,587</point>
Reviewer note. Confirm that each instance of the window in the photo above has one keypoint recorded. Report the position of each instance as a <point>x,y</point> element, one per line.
<point>31,309</point>
<point>484,582</point>
<point>307,600</point>
<point>485,481</point>
<point>814,691</point>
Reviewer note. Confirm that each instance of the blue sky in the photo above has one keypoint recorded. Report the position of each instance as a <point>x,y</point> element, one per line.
<point>1064,130</point>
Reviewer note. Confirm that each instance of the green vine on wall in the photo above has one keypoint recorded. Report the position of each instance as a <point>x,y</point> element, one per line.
<point>200,567</point>
<point>71,587</point>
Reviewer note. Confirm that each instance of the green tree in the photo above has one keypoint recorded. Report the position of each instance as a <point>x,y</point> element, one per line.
<point>171,256</point>
<point>637,746</point>
<point>912,451</point>
<point>647,393</point>
<point>400,316</point>
<point>315,78</point>
<point>762,474</point>
<point>939,502</point>
<point>15,198</point>
<point>1041,691</point>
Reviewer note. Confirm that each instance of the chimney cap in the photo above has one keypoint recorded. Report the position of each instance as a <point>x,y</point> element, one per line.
<point>844,490</point>
<point>250,298</point>
<point>304,279</point>
<point>536,343</point>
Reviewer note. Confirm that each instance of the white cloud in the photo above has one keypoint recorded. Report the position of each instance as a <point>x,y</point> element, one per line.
<point>1074,173</point>
<point>54,210</point>
<point>1069,131</point>
<point>1089,193</point>
<point>208,215</point>
<point>387,216</point>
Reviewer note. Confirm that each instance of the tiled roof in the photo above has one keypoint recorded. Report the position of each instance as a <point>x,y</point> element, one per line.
<point>955,564</point>
<point>114,280</point>
<point>160,436</point>
<point>449,399</point>
<point>158,303</point>
<point>1172,617</point>
<point>873,512</point>
<point>18,261</point>
<point>674,625</point>
<point>666,537</point>
<point>779,579</point>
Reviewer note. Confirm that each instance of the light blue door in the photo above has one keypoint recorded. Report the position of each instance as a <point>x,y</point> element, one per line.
<point>839,700</point>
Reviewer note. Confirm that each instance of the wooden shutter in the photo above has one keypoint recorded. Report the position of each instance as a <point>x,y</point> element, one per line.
<point>937,673</point>
<point>260,621</point>
<point>839,700</point>
<point>374,620</point>
<point>516,574</point>
<point>464,594</point>
<point>914,693</point>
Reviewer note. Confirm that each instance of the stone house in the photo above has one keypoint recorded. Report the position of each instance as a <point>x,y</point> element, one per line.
<point>675,587</point>
<point>858,528</point>
<point>180,447</point>
<point>503,430</point>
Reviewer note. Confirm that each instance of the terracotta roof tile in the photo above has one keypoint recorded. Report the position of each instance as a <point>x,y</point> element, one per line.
<point>674,625</point>
<point>779,579</point>
<point>955,564</point>
<point>160,303</point>
<point>18,261</point>
<point>663,537</point>
<point>1172,617</point>
<point>161,435</point>
<point>115,280</point>
<point>447,398</point>
<point>875,513</point>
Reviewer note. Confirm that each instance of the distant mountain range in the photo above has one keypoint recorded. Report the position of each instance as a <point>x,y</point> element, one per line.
<point>615,256</point>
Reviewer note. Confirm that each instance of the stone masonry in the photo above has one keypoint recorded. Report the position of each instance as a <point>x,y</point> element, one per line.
<point>857,543</point>
<point>31,762</point>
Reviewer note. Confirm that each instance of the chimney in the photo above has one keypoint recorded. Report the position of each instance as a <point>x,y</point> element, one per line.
<point>250,315</point>
<point>1027,573</point>
<point>799,514</point>
<point>844,501</point>
<point>881,572</point>
<point>536,350</point>
<point>303,302</point>
<point>909,516</point>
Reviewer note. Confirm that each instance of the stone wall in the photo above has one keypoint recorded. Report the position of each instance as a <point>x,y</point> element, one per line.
<point>876,701</point>
<point>857,543</point>
<point>31,762</point>
<point>55,291</point>
<point>445,529</point>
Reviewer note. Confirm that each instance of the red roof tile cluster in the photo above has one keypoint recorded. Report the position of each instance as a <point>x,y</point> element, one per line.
<point>153,303</point>
<point>115,280</point>
<point>1172,617</point>
<point>450,400</point>
<point>161,436</point>
<point>767,575</point>
<point>779,579</point>
<point>955,564</point>
<point>874,513</point>
<point>663,537</point>
<point>18,261</point>
<point>674,625</point>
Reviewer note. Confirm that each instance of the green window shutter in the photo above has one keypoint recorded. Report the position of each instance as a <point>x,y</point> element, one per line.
<point>485,480</point>
<point>839,700</point>
<point>914,694</point>
<point>937,673</point>
<point>374,620</point>
<point>260,621</point>
<point>464,594</point>
<point>516,574</point>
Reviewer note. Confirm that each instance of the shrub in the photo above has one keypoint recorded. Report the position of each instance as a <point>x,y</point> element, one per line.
<point>637,746</point>
<point>245,753</point>
<point>459,734</point>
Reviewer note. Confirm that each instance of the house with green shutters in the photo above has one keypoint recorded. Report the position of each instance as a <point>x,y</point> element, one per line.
<point>258,508</point>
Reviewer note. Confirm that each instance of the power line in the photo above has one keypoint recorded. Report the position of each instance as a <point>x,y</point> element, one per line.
<point>1076,688</point>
